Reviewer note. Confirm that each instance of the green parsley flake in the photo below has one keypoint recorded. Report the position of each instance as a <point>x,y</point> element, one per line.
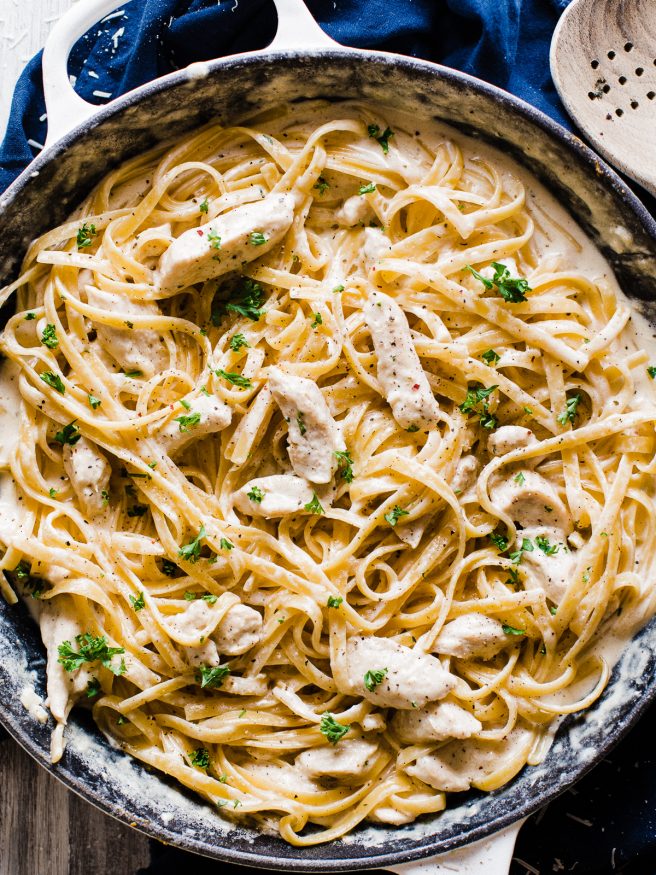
<point>191,551</point>
<point>499,541</point>
<point>200,758</point>
<point>510,630</point>
<point>651,370</point>
<point>321,184</point>
<point>395,515</point>
<point>187,422</point>
<point>52,492</point>
<point>511,289</point>
<point>490,356</point>
<point>29,316</point>
<point>212,676</point>
<point>138,604</point>
<point>93,688</point>
<point>476,402</point>
<point>367,189</point>
<point>105,497</point>
<point>225,544</point>
<point>338,289</point>
<point>54,381</point>
<point>257,238</point>
<point>91,649</point>
<point>185,404</point>
<point>569,413</point>
<point>316,321</point>
<point>526,547</point>
<point>137,510</point>
<point>70,434</point>
<point>249,305</point>
<point>170,569</point>
<point>300,422</point>
<point>334,601</point>
<point>519,479</point>
<point>237,341</point>
<point>94,402</point>
<point>236,379</point>
<point>256,495</point>
<point>345,464</point>
<point>374,677</point>
<point>314,506</point>
<point>133,374</point>
<point>333,730</point>
<point>383,139</point>
<point>214,239</point>
<point>545,546</point>
<point>204,206</point>
<point>85,235</point>
<point>49,337</point>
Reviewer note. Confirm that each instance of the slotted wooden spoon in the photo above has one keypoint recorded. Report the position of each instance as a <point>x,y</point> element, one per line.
<point>603,63</point>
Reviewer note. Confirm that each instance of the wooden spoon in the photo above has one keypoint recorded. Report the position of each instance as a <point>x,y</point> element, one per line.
<point>603,62</point>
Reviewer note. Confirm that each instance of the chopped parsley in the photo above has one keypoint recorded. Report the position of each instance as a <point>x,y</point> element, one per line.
<point>169,568</point>
<point>214,239</point>
<point>553,610</point>
<point>338,289</point>
<point>85,235</point>
<point>225,544</point>
<point>490,356</point>
<point>569,413</point>
<point>200,758</point>
<point>651,370</point>
<point>93,688</point>
<point>29,316</point>
<point>94,403</point>
<point>212,676</point>
<point>314,506</point>
<point>237,341</point>
<point>511,289</point>
<point>519,479</point>
<point>383,139</point>
<point>187,421</point>
<point>545,546</point>
<point>185,404</point>
<point>54,381</point>
<point>91,649</point>
<point>208,597</point>
<point>138,604</point>
<point>526,547</point>
<point>70,434</point>
<point>316,321</point>
<point>235,379</point>
<point>367,189</point>
<point>52,492</point>
<point>395,515</point>
<point>191,551</point>
<point>321,184</point>
<point>257,238</point>
<point>204,206</point>
<point>133,374</point>
<point>510,630</point>
<point>137,510</point>
<point>476,402</point>
<point>49,337</point>
<point>333,730</point>
<point>334,601</point>
<point>256,495</point>
<point>105,497</point>
<point>345,464</point>
<point>249,305</point>
<point>499,541</point>
<point>373,677</point>
<point>300,422</point>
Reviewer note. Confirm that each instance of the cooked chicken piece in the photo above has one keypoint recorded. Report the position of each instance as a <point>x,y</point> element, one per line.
<point>225,243</point>
<point>402,678</point>
<point>182,428</point>
<point>88,471</point>
<point>313,434</point>
<point>435,722</point>
<point>275,496</point>
<point>400,374</point>
<point>549,571</point>
<point>354,210</point>
<point>238,631</point>
<point>471,636</point>
<point>532,501</point>
<point>510,437</point>
<point>340,761</point>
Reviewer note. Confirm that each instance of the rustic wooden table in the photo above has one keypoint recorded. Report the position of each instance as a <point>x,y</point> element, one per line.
<point>44,828</point>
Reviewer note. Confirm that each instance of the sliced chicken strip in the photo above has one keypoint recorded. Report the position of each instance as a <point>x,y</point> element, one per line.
<point>510,437</point>
<point>89,471</point>
<point>226,243</point>
<point>549,572</point>
<point>275,496</point>
<point>313,434</point>
<point>436,722</point>
<point>340,761</point>
<point>531,501</point>
<point>471,636</point>
<point>134,349</point>
<point>402,378</point>
<point>410,679</point>
<point>213,416</point>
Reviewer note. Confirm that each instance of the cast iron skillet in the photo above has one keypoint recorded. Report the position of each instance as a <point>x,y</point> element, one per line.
<point>91,141</point>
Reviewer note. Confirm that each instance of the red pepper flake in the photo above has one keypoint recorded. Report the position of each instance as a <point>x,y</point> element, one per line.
<point>200,233</point>
<point>415,387</point>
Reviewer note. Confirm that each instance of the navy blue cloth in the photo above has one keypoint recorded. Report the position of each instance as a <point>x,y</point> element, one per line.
<point>505,42</point>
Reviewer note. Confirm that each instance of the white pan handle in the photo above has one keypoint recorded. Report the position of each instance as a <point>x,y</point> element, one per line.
<point>296,30</point>
<point>488,857</point>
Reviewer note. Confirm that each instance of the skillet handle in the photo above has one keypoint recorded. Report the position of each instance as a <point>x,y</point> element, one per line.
<point>297,29</point>
<point>490,856</point>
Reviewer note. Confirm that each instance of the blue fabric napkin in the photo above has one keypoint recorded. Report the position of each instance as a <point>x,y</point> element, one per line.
<point>505,42</point>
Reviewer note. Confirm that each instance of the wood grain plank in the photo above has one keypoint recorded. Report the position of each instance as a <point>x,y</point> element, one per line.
<point>47,830</point>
